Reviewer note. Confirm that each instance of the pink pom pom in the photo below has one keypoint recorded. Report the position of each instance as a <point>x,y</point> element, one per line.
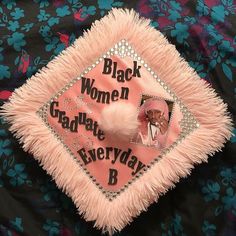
<point>120,120</point>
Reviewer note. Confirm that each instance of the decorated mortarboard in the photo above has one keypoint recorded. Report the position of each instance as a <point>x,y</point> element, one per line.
<point>117,119</point>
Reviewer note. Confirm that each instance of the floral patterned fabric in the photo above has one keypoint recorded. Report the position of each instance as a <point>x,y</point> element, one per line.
<point>33,32</point>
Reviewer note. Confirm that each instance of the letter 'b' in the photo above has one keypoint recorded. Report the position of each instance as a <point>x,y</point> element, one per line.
<point>113,176</point>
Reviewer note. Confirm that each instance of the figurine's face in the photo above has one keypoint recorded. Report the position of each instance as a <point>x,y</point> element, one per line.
<point>154,116</point>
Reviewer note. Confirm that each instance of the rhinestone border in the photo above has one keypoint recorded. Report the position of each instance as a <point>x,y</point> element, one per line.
<point>187,124</point>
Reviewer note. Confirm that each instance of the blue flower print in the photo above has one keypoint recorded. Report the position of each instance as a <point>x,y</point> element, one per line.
<point>43,16</point>
<point>50,191</point>
<point>176,224</point>
<point>52,227</point>
<point>17,175</point>
<point>13,25</point>
<point>5,147</point>
<point>227,71</point>
<point>208,229</point>
<point>9,3</point>
<point>211,191</point>
<point>233,138</point>
<point>17,224</point>
<point>31,70</point>
<point>63,11</point>
<point>199,68</point>
<point>154,24</point>
<point>215,37</point>
<point>202,8</point>
<point>54,43</point>
<point>42,3</point>
<point>4,72</point>
<point>218,13</point>
<point>86,11</point>
<point>229,176</point>
<point>232,61</point>
<point>45,31</point>
<point>180,32</point>
<point>17,40</point>
<point>27,27</point>
<point>229,201</point>
<point>17,14</point>
<point>225,47</point>
<point>53,21</point>
<point>175,227</point>
<point>107,5</point>
<point>174,14</point>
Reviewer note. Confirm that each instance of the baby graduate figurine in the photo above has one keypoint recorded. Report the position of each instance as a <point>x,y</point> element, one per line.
<point>153,117</point>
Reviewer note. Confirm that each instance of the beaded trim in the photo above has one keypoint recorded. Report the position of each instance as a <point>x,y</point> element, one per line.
<point>187,124</point>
